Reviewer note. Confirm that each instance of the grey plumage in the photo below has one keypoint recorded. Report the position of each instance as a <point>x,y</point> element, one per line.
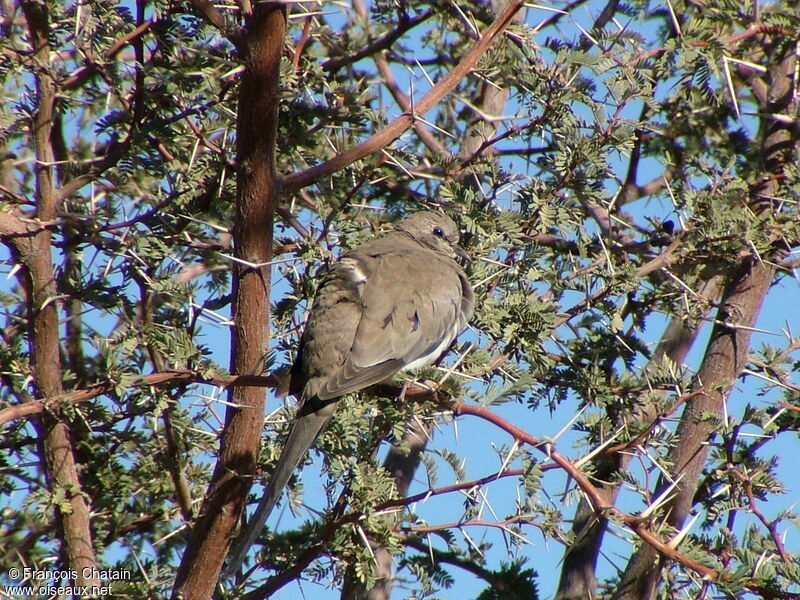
<point>394,303</point>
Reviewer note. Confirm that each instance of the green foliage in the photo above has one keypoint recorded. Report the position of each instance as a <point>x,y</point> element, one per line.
<point>511,582</point>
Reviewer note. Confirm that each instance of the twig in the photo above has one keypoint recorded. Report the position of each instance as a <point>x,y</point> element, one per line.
<point>393,130</point>
<point>636,524</point>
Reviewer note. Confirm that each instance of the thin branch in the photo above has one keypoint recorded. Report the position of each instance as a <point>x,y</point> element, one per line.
<point>212,14</point>
<point>659,262</point>
<point>771,526</point>
<point>636,524</point>
<point>393,130</point>
<point>77,78</point>
<point>382,43</point>
<point>19,411</point>
<point>404,102</point>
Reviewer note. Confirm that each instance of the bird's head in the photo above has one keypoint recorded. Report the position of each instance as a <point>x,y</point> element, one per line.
<point>435,231</point>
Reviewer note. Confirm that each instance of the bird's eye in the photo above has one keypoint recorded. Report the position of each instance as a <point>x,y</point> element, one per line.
<point>438,232</point>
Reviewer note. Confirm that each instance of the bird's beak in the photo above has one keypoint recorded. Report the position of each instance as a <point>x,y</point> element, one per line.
<point>461,254</point>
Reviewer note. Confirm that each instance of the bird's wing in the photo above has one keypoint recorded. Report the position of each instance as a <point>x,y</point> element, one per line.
<point>410,312</point>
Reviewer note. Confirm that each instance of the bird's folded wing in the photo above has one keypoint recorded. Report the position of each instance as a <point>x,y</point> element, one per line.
<point>404,319</point>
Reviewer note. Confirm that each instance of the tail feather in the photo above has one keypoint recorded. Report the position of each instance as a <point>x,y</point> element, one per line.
<point>308,424</point>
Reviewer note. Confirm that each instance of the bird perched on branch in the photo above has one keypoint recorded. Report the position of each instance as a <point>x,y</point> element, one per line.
<point>395,303</point>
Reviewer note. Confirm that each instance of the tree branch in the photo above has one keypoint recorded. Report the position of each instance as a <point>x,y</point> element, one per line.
<point>404,25</point>
<point>727,351</point>
<point>212,14</point>
<point>593,495</point>
<point>51,403</point>
<point>301,179</point>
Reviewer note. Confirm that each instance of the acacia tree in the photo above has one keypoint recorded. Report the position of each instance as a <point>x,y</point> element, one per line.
<point>628,187</point>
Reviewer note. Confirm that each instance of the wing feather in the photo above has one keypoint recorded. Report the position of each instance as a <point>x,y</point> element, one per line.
<point>400,323</point>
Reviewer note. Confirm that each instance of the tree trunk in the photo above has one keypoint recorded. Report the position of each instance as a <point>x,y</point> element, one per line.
<point>39,282</point>
<point>727,351</point>
<point>258,195</point>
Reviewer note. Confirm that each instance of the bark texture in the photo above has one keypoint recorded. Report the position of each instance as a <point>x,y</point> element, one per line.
<point>257,197</point>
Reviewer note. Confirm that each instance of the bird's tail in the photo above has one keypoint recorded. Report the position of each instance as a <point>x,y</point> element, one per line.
<point>306,427</point>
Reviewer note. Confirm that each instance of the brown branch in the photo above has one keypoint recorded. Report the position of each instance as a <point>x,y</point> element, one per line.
<point>771,526</point>
<point>465,563</point>
<point>210,13</point>
<point>659,262</point>
<point>726,355</point>
<point>404,25</point>
<point>305,35</point>
<point>114,153</point>
<point>213,15</point>
<point>640,439</point>
<point>301,179</point>
<point>731,41</point>
<point>289,219</point>
<point>724,360</point>
<point>547,447</point>
<point>404,102</point>
<point>456,487</point>
<point>486,144</point>
<point>51,403</point>
<point>667,551</point>
<point>13,227</point>
<point>601,508</point>
<point>641,527</point>
<point>578,578</point>
<point>175,465</point>
<point>515,520</point>
<point>305,558</point>
<point>78,77</point>
<point>173,461</point>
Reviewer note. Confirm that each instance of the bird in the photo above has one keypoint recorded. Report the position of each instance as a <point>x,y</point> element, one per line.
<point>392,304</point>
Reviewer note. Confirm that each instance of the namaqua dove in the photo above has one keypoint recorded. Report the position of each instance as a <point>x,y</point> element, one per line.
<point>394,303</point>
